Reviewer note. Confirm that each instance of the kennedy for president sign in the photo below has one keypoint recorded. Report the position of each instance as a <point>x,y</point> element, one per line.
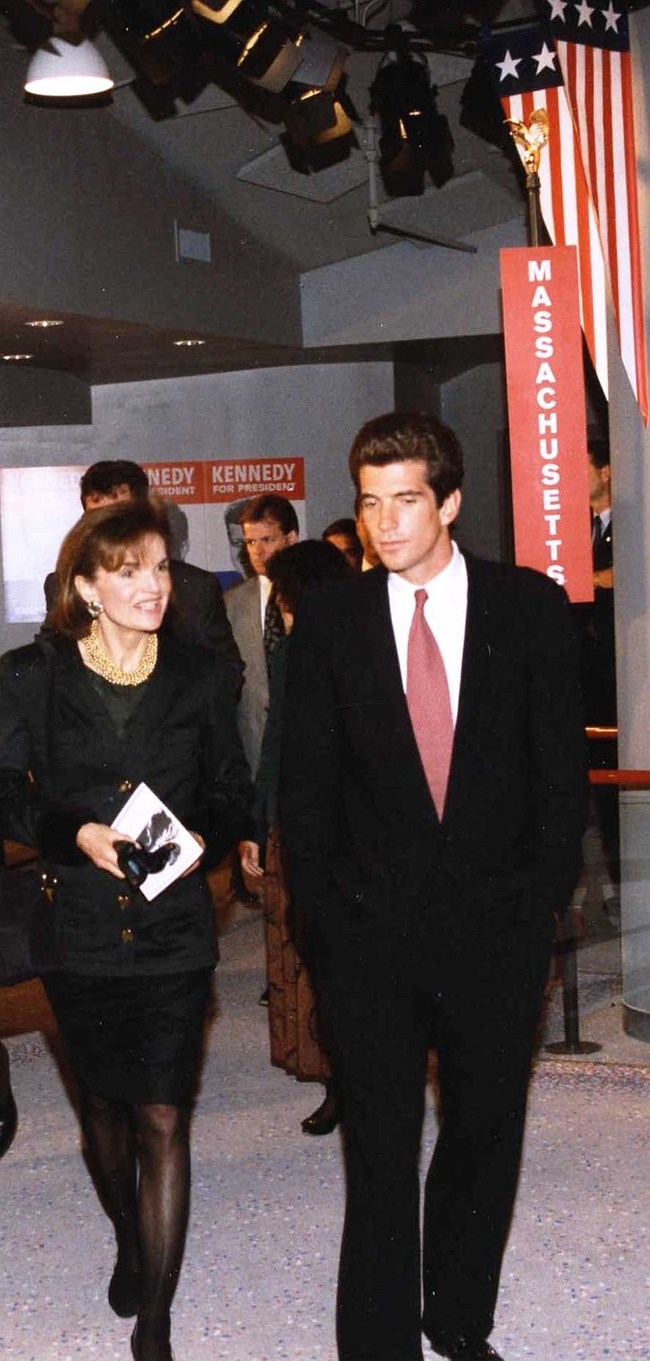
<point>208,498</point>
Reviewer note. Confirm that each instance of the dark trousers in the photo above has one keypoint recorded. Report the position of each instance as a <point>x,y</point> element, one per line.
<point>480,1006</point>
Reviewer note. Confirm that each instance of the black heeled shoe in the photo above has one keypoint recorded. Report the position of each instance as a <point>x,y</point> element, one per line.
<point>325,1118</point>
<point>8,1123</point>
<point>125,1289</point>
<point>135,1347</point>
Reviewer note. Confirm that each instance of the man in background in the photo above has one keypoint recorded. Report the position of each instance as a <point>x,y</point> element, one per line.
<point>269,522</point>
<point>199,614</point>
<point>595,624</point>
<point>343,534</point>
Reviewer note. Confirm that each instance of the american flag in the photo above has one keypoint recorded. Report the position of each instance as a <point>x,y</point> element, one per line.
<point>593,46</point>
<point>526,72</point>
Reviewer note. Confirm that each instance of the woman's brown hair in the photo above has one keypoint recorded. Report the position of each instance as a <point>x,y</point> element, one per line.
<point>101,538</point>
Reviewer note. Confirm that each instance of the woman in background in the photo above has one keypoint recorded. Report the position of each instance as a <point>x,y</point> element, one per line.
<point>295,1039</point>
<point>85,716</point>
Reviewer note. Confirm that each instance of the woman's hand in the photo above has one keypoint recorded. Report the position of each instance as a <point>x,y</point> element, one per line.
<point>249,854</point>
<point>97,841</point>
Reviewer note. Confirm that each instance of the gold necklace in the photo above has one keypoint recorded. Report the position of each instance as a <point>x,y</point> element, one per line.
<point>100,661</point>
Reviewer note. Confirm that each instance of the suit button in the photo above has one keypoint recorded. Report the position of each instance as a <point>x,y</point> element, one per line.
<point>125,787</point>
<point>123,901</point>
<point>127,936</point>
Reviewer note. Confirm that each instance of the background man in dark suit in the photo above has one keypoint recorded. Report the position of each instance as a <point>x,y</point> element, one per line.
<point>427,877</point>
<point>269,523</point>
<point>595,624</point>
<point>199,614</point>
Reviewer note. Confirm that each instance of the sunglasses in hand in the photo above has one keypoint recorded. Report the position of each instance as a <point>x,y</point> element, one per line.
<point>136,863</point>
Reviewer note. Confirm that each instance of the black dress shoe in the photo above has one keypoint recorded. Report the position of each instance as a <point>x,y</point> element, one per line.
<point>463,1347</point>
<point>125,1289</point>
<point>8,1123</point>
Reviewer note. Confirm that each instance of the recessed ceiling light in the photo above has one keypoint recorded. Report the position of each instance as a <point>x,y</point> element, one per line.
<point>44,324</point>
<point>16,358</point>
<point>189,344</point>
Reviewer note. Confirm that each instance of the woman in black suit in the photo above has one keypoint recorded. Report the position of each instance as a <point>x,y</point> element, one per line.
<point>85,716</point>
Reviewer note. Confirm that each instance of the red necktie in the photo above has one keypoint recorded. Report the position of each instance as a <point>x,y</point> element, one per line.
<point>427,696</point>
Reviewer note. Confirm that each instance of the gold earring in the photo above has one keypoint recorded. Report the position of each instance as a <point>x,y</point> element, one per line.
<point>94,608</point>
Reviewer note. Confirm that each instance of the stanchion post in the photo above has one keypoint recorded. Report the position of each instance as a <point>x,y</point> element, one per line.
<point>565,946</point>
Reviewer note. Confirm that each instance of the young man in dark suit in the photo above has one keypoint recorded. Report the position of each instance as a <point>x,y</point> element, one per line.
<point>434,790</point>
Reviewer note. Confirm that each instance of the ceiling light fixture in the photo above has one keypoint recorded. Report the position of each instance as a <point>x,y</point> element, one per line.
<point>44,324</point>
<point>215,11</point>
<point>67,70</point>
<point>188,344</point>
<point>264,47</point>
<point>316,117</point>
<point>16,358</point>
<point>415,138</point>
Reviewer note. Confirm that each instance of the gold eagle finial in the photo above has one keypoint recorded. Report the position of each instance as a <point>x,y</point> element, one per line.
<point>531,137</point>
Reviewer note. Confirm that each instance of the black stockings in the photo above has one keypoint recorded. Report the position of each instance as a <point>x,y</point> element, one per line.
<point>141,1165</point>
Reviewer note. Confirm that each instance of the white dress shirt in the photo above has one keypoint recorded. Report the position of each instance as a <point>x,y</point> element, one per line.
<point>604,516</point>
<point>445,612</point>
<point>265,591</point>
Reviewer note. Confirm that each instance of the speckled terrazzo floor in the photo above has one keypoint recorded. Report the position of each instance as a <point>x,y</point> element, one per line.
<point>258,1281</point>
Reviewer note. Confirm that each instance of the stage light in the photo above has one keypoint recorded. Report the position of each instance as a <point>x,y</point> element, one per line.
<point>269,57</point>
<point>481,111</point>
<point>322,61</point>
<point>315,118</point>
<point>415,138</point>
<point>317,115</point>
<point>263,47</point>
<point>67,70</point>
<point>217,12</point>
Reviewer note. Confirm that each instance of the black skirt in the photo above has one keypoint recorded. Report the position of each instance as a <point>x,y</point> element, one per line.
<point>135,1039</point>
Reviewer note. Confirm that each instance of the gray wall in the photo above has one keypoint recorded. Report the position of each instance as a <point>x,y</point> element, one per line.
<point>87,226</point>
<point>409,292</point>
<point>473,404</point>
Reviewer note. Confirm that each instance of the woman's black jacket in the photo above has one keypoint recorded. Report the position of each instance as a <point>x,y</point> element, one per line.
<point>62,764</point>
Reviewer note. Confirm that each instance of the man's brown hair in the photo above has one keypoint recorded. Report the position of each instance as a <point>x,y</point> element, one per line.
<point>399,437</point>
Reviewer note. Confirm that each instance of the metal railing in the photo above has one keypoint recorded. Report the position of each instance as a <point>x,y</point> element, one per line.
<point>568,932</point>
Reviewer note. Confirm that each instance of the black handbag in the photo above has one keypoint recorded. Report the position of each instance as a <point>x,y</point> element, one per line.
<point>28,944</point>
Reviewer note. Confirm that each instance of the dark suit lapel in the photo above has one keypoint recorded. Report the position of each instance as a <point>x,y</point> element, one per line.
<point>476,661</point>
<point>377,630</point>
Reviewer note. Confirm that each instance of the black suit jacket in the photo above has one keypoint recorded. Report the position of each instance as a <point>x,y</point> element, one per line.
<point>365,844</point>
<point>182,741</point>
<point>595,625</point>
<point>603,553</point>
<point>197,614</point>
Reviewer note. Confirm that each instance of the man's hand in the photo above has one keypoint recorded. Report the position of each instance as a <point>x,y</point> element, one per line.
<point>249,854</point>
<point>604,579</point>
